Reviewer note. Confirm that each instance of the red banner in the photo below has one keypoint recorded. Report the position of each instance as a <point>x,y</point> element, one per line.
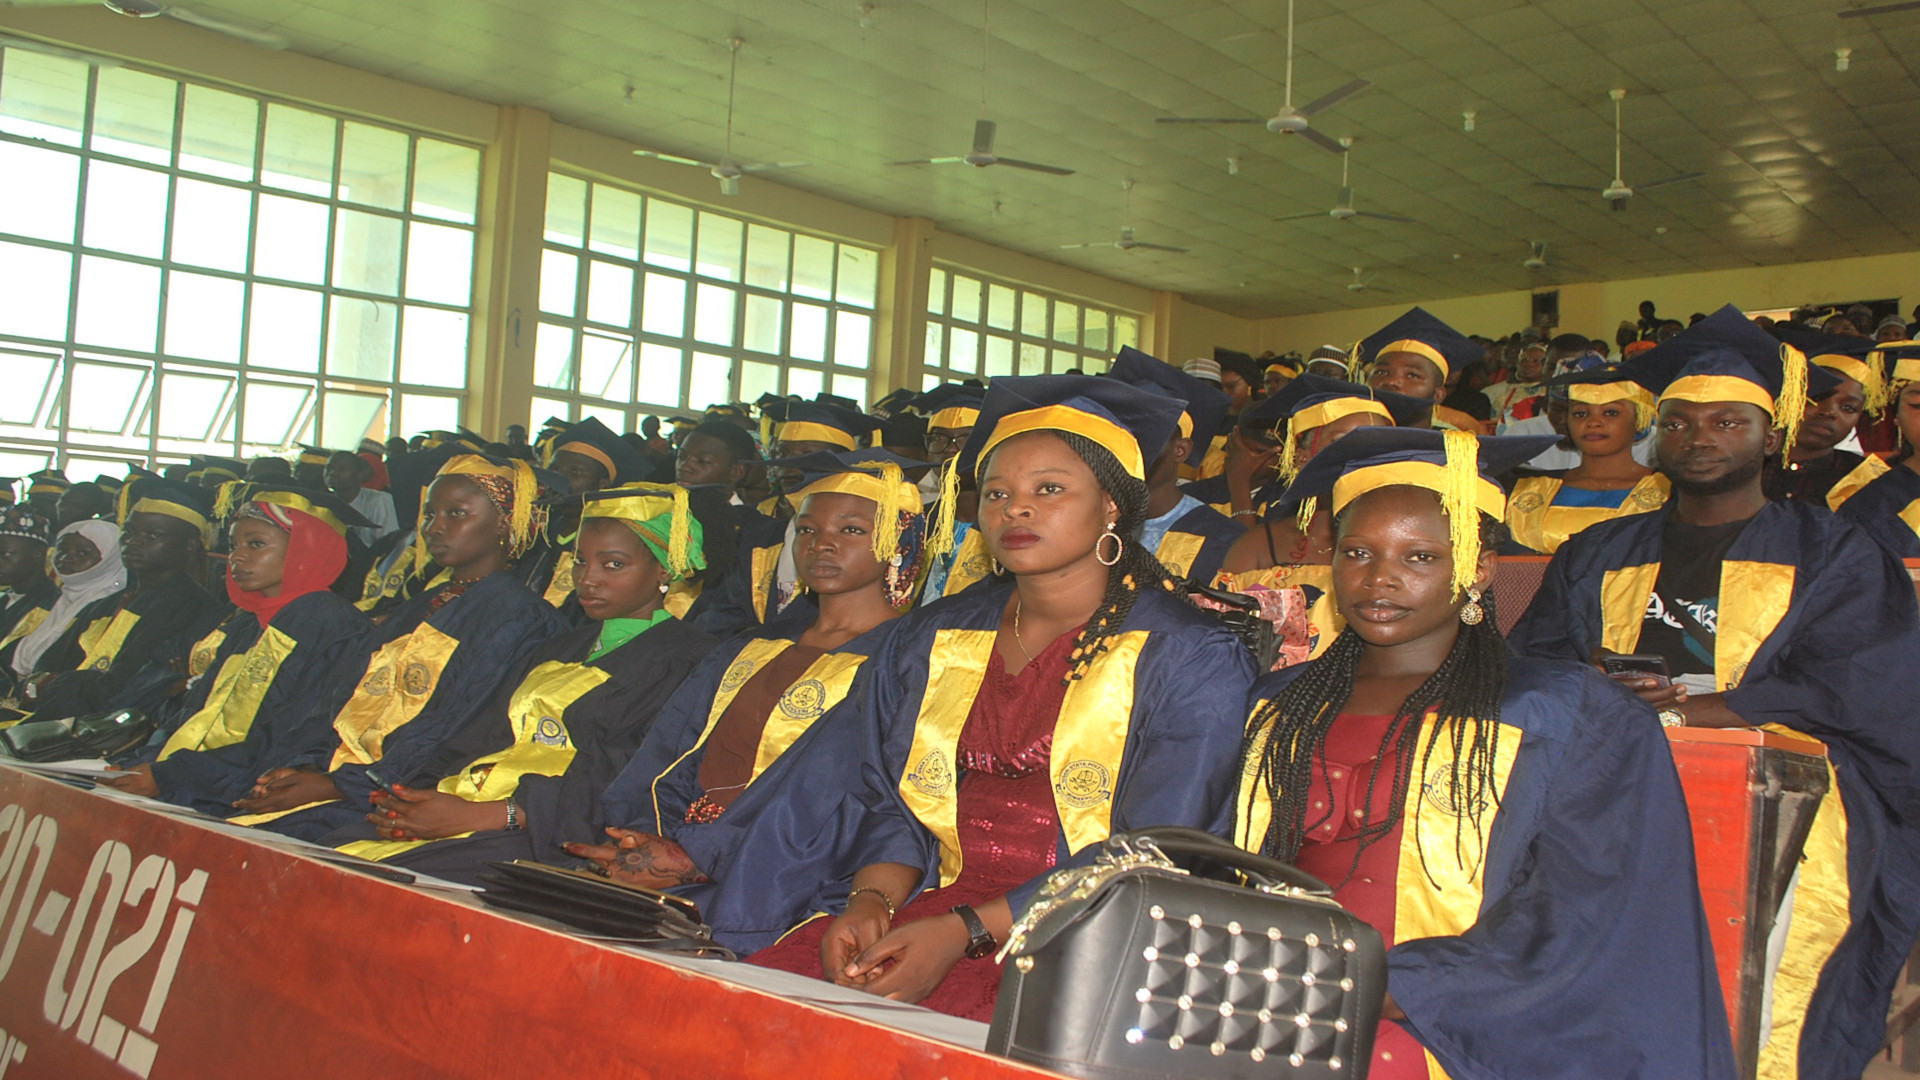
<point>140,944</point>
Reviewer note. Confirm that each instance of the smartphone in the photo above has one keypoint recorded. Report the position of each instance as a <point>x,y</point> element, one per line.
<point>1636,666</point>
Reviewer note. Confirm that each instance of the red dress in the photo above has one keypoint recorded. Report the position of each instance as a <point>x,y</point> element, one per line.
<point>1009,828</point>
<point>1335,815</point>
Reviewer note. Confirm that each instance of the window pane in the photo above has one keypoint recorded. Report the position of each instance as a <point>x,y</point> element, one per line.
<point>615,419</point>
<point>963,348</point>
<point>663,306</point>
<point>1064,361</point>
<point>366,252</point>
<point>606,367</point>
<point>42,186</point>
<point>118,305</point>
<point>713,315</point>
<point>210,223</point>
<point>1066,322</point>
<point>43,97</point>
<point>806,382</point>
<point>373,166</point>
<point>191,405</point>
<point>1126,331</point>
<point>360,338</point>
<point>103,397</point>
<point>966,298</point>
<point>812,267</point>
<point>757,379</point>
<point>1033,359</point>
<point>204,317</point>
<point>291,240</point>
<point>999,357</point>
<point>545,407</point>
<point>767,259</point>
<point>558,280</point>
<point>851,386</point>
<point>712,376</point>
<point>283,328</point>
<point>446,180</point>
<point>936,353</point>
<point>29,378</point>
<point>852,338</point>
<point>937,293</point>
<point>566,210</point>
<point>439,264</point>
<point>1000,305</point>
<point>930,380</point>
<point>298,154</point>
<point>809,332</point>
<point>126,209</point>
<point>34,283</point>
<point>218,133</point>
<point>270,410</point>
<point>609,293</point>
<point>660,374</point>
<point>133,115</point>
<point>765,316</point>
<point>346,418</point>
<point>616,222</point>
<point>669,235</point>
<point>719,247</point>
<point>422,412</point>
<point>1033,315</point>
<point>553,357</point>
<point>1094,336</point>
<point>859,276</point>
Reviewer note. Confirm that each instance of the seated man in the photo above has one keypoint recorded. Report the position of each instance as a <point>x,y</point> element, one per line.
<point>1769,614</point>
<point>1413,355</point>
<point>26,592</point>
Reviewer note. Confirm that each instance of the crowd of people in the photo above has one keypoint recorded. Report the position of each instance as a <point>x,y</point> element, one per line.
<point>856,681</point>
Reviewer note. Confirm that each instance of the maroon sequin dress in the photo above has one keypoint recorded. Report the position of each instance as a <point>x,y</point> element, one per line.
<point>1009,828</point>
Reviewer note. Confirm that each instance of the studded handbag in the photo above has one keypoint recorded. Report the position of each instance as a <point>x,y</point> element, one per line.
<point>1178,954</point>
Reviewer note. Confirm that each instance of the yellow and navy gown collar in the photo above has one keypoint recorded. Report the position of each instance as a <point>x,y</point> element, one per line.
<point>1888,509</point>
<point>1192,539</point>
<point>1547,885</point>
<point>1540,524</point>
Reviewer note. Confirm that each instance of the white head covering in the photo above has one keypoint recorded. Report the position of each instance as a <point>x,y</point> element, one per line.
<point>103,579</point>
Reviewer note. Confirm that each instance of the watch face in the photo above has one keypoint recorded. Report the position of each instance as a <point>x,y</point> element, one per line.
<point>979,948</point>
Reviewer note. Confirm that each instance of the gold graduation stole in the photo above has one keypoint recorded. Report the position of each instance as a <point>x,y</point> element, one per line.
<point>28,623</point>
<point>1865,473</point>
<point>234,701</point>
<point>766,567</point>
<point>103,640</point>
<point>680,597</point>
<point>1538,524</point>
<point>400,680</point>
<point>200,659</point>
<point>1910,514</point>
<point>1178,550</point>
<point>971,563</point>
<point>561,585</point>
<point>1089,739</point>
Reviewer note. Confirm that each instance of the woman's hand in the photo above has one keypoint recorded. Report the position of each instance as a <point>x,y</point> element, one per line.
<point>426,814</point>
<point>135,781</point>
<point>909,962</point>
<point>288,789</point>
<point>1246,464</point>
<point>642,859</point>
<point>856,930</point>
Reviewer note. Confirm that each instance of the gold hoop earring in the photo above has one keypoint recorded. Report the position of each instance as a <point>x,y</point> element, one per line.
<point>1472,614</point>
<point>1119,546</point>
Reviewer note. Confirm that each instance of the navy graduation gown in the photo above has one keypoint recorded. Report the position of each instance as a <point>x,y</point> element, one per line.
<point>1215,532</point>
<point>1885,510</point>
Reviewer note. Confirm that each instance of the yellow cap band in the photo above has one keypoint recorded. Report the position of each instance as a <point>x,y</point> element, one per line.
<point>1856,370</point>
<point>1104,432</point>
<point>638,506</point>
<point>808,431</point>
<point>1327,412</point>
<point>176,512</point>
<point>294,501</point>
<point>588,450</point>
<point>891,494</point>
<point>959,416</point>
<point>1906,370</point>
<point>1421,474</point>
<point>1418,348</point>
<point>1705,388</point>
<point>1185,426</point>
<point>1644,407</point>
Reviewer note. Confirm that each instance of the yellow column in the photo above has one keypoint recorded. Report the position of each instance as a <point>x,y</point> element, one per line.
<point>1156,330</point>
<point>513,207</point>
<point>905,271</point>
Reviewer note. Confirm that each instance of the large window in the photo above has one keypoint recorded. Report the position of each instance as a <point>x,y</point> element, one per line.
<point>184,269</point>
<point>977,328</point>
<point>650,307</point>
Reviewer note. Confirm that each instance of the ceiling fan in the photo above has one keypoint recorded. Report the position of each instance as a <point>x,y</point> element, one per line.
<point>1127,242</point>
<point>148,9</point>
<point>982,154</point>
<point>726,170</point>
<point>1617,193</point>
<point>1289,120</point>
<point>1343,210</point>
<point>1364,284</point>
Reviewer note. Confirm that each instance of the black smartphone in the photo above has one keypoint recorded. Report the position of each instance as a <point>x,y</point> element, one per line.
<point>1636,666</point>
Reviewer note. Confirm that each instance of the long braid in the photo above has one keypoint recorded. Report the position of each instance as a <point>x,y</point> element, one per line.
<point>1284,740</point>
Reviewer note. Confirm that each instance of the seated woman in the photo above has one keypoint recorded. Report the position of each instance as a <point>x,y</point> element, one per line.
<point>1010,729</point>
<point>720,748</point>
<point>86,556</point>
<point>1514,828</point>
<point>1606,412</point>
<point>277,655</point>
<point>1283,561</point>
<point>1888,508</point>
<point>437,659</point>
<point>527,772</point>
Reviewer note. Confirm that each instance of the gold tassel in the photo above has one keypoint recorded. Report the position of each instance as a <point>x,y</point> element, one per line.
<point>1460,499</point>
<point>940,536</point>
<point>1353,361</point>
<point>1790,407</point>
<point>225,503</point>
<point>1879,393</point>
<point>886,516</point>
<point>766,432</point>
<point>1303,515</point>
<point>124,503</point>
<point>528,520</point>
<point>1289,466</point>
<point>680,536</point>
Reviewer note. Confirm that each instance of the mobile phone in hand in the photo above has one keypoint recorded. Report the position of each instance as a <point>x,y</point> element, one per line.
<point>1636,666</point>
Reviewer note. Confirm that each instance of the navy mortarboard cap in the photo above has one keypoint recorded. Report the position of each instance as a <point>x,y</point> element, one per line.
<point>1604,385</point>
<point>109,484</point>
<point>1130,423</point>
<point>7,495</point>
<point>904,428</point>
<point>1206,406</point>
<point>592,439</point>
<point>892,403</point>
<point>1418,332</point>
<point>309,455</point>
<point>950,405</point>
<point>871,474</point>
<point>1842,354</point>
<point>1312,401</point>
<point>47,482</point>
<point>1725,357</point>
<point>169,498</point>
<point>330,509</point>
<point>1239,363</point>
<point>1456,465</point>
<point>223,468</point>
<point>829,421</point>
<point>27,523</point>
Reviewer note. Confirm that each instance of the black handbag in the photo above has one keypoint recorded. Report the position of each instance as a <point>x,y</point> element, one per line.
<point>1243,617</point>
<point>596,905</point>
<point>72,738</point>
<point>1178,954</point>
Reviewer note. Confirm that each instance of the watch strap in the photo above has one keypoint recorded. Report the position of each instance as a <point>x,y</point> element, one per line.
<point>979,941</point>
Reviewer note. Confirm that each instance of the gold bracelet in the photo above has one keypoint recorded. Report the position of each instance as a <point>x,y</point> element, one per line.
<point>884,898</point>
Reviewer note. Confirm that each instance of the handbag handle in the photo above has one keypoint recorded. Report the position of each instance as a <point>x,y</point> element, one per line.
<point>1185,844</point>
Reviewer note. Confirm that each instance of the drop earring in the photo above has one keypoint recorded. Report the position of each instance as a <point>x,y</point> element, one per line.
<point>1471,613</point>
<point>1119,546</point>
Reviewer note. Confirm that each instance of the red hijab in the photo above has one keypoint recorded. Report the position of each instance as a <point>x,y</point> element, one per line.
<point>315,557</point>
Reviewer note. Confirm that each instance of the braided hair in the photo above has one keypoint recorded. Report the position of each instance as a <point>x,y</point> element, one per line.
<point>1137,568</point>
<point>1283,746</point>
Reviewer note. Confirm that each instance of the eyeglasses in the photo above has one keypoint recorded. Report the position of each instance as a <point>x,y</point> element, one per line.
<point>938,444</point>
